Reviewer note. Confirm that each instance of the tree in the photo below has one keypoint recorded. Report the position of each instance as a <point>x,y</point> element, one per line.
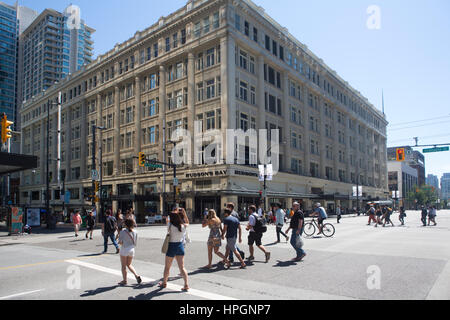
<point>425,195</point>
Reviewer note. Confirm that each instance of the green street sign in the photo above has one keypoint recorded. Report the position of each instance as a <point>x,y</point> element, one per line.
<point>154,166</point>
<point>436,150</point>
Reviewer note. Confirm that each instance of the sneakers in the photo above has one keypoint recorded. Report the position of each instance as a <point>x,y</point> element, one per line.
<point>267,256</point>
<point>251,258</point>
<point>139,280</point>
<point>117,251</point>
<point>300,258</point>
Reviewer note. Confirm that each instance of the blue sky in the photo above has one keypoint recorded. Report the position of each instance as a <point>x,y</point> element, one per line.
<point>409,57</point>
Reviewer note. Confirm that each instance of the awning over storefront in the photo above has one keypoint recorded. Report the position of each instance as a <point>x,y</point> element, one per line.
<point>11,162</point>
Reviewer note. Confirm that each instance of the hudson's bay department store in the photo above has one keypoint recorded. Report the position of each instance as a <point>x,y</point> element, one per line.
<point>229,65</point>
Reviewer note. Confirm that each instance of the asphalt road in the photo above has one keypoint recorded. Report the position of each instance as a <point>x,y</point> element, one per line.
<point>360,262</point>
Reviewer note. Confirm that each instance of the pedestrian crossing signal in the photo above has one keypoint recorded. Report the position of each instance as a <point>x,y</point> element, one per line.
<point>141,159</point>
<point>401,154</point>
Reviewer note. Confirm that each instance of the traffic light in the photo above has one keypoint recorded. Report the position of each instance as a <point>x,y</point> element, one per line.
<point>141,159</point>
<point>96,186</point>
<point>6,131</point>
<point>401,154</point>
<point>178,191</point>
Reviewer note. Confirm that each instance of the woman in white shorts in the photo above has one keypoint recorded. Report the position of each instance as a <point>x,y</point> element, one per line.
<point>128,241</point>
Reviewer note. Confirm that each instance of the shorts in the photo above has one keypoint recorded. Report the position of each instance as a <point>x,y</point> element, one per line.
<point>90,228</point>
<point>175,249</point>
<point>231,244</point>
<point>320,220</point>
<point>127,252</point>
<point>254,237</point>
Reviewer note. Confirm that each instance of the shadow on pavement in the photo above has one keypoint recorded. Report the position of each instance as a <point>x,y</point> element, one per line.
<point>216,268</point>
<point>149,296</point>
<point>97,291</point>
<point>284,264</point>
<point>90,255</point>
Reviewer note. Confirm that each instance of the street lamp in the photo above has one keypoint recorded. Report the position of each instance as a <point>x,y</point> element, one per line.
<point>175,184</point>
<point>94,128</point>
<point>264,196</point>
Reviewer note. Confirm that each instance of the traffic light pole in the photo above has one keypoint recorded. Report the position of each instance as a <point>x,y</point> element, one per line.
<point>93,163</point>
<point>47,194</point>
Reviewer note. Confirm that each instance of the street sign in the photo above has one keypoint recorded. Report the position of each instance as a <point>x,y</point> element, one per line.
<point>175,182</point>
<point>154,166</point>
<point>94,175</point>
<point>67,197</point>
<point>436,150</point>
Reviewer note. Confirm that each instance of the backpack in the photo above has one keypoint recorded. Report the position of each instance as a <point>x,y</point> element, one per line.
<point>110,225</point>
<point>260,225</point>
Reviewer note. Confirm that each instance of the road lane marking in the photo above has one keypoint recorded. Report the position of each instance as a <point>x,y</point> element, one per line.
<point>441,288</point>
<point>40,263</point>
<point>194,292</point>
<point>20,294</point>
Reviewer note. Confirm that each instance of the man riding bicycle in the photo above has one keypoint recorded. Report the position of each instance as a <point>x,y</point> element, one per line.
<point>320,212</point>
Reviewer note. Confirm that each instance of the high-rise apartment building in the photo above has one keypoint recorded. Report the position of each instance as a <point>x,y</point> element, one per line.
<point>433,181</point>
<point>445,186</point>
<point>212,65</point>
<point>9,30</point>
<point>51,50</point>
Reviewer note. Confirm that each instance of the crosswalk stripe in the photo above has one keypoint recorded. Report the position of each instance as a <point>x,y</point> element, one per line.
<point>194,292</point>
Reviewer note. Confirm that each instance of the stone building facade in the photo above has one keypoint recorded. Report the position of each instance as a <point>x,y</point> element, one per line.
<point>229,65</point>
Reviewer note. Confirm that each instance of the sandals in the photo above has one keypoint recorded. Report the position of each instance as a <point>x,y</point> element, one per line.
<point>139,280</point>
<point>122,283</point>
<point>162,285</point>
<point>185,289</point>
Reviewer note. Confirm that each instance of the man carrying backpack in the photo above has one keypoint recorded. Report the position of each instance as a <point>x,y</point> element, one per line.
<point>424,216</point>
<point>109,228</point>
<point>257,228</point>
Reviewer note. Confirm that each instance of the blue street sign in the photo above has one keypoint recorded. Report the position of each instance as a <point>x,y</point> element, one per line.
<point>67,197</point>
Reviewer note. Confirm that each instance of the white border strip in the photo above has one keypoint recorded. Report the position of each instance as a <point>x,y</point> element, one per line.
<point>20,294</point>
<point>194,292</point>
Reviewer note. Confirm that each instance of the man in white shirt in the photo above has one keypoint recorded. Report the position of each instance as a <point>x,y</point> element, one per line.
<point>254,236</point>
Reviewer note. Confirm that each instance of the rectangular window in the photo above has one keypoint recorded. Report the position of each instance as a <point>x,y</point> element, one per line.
<point>253,95</point>
<point>243,91</point>
<point>183,36</point>
<point>210,57</point>
<point>210,89</point>
<point>237,19</point>
<point>200,91</point>
<point>197,30</point>
<point>155,50</point>
<point>247,28</point>
<point>255,34</point>
<point>206,25</point>
<point>175,40</point>
<point>267,43</point>
<point>216,22</point>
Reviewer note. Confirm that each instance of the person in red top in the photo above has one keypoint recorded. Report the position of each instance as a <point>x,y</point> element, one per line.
<point>76,220</point>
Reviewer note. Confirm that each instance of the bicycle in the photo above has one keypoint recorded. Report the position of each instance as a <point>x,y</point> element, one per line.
<point>328,229</point>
